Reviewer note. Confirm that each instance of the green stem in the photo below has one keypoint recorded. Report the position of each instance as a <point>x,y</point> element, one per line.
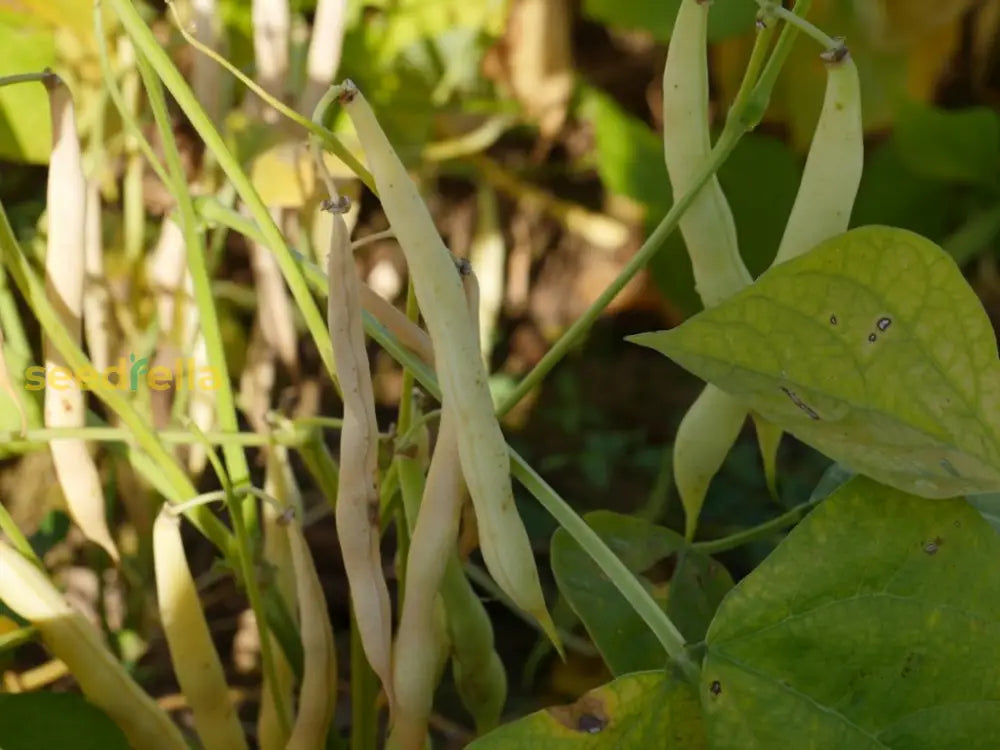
<point>174,477</point>
<point>24,78</point>
<point>364,691</point>
<point>754,106</point>
<point>17,537</point>
<point>172,437</point>
<point>627,584</point>
<point>664,229</point>
<point>761,531</point>
<point>329,139</point>
<point>793,18</point>
<point>194,241</point>
<point>124,111</point>
<point>147,46</point>
<point>758,57</point>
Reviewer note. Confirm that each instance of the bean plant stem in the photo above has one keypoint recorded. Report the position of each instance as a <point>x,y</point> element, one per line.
<point>173,437</point>
<point>24,78</point>
<point>118,98</point>
<point>242,511</point>
<point>752,108</point>
<point>624,580</point>
<point>779,523</point>
<point>329,139</point>
<point>147,45</point>
<point>173,476</point>
<point>779,11</point>
<point>664,229</point>
<point>742,118</point>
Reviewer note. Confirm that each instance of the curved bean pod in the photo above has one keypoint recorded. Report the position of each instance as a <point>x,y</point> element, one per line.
<point>482,449</point>
<point>832,175</point>
<point>357,509</point>
<point>418,655</point>
<point>704,438</point>
<point>64,271</point>
<point>829,187</point>
<point>318,694</point>
<point>708,226</point>
<point>71,639</point>
<point>480,677</point>
<point>192,652</point>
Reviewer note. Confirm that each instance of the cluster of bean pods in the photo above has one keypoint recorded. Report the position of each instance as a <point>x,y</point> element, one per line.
<point>821,210</point>
<point>470,452</point>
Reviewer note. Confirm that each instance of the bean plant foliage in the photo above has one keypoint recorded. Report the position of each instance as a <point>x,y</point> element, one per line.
<point>873,623</point>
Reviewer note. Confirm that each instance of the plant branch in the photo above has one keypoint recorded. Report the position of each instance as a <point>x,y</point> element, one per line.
<point>780,523</point>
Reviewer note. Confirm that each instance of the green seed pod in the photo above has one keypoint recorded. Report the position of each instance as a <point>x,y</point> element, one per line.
<point>479,674</point>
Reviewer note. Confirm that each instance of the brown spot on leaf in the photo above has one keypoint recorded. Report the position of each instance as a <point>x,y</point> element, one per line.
<point>716,687</point>
<point>800,403</point>
<point>590,724</point>
<point>588,715</point>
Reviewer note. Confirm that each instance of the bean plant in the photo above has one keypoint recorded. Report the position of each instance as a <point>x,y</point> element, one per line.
<point>873,624</point>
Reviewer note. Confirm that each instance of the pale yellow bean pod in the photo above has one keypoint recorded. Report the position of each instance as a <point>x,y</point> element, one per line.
<point>829,187</point>
<point>192,652</point>
<point>357,509</point>
<point>318,694</point>
<point>69,637</point>
<point>66,199</point>
<point>709,429</point>
<point>708,226</point>
<point>704,438</point>
<point>833,168</point>
<point>416,659</point>
<point>462,375</point>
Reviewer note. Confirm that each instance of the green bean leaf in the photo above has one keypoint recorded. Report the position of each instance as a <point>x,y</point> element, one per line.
<point>873,349</point>
<point>638,711</point>
<point>657,17</point>
<point>36,720</point>
<point>954,146</point>
<point>25,129</point>
<point>873,625</point>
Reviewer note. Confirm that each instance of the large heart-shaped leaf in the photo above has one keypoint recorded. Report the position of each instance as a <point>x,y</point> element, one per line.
<point>639,711</point>
<point>873,349</point>
<point>873,625</point>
